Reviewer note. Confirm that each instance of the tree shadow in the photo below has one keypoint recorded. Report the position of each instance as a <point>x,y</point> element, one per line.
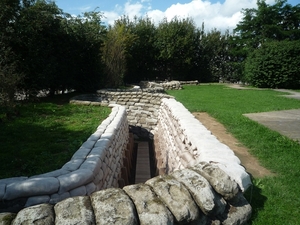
<point>29,149</point>
<point>30,145</point>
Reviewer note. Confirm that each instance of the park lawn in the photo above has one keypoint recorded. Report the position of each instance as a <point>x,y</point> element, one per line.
<point>275,199</point>
<point>45,135</point>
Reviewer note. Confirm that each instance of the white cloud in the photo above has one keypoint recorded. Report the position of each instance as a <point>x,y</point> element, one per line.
<point>133,10</point>
<point>156,15</point>
<point>110,17</point>
<point>214,15</point>
<point>128,9</point>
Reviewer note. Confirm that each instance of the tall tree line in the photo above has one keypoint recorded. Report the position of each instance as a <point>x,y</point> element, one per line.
<point>259,51</point>
<point>174,49</point>
<point>44,48</point>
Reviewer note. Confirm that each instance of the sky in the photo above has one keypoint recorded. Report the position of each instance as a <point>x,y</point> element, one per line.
<point>219,14</point>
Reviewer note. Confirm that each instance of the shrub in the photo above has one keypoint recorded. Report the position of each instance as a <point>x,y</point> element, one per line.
<point>275,64</point>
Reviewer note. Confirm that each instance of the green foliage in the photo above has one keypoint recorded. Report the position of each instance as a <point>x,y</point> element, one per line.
<point>37,27</point>
<point>214,56</point>
<point>174,49</point>
<point>115,53</point>
<point>142,61</point>
<point>80,56</point>
<point>10,79</point>
<point>54,50</point>
<point>46,135</point>
<point>177,43</point>
<point>275,64</point>
<point>269,22</point>
<point>9,12</point>
<point>266,23</point>
<point>10,75</point>
<point>57,51</point>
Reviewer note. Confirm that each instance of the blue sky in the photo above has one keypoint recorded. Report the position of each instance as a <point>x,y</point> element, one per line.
<point>222,14</point>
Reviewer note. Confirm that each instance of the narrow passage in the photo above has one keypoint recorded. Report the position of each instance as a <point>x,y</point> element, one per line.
<point>142,163</point>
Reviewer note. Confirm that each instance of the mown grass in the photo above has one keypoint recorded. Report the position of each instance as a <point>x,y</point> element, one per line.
<point>45,135</point>
<point>275,199</point>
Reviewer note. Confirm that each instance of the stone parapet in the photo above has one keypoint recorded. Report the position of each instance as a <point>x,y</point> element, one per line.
<point>141,105</point>
<point>96,165</point>
<point>164,85</point>
<point>182,197</point>
<point>193,82</point>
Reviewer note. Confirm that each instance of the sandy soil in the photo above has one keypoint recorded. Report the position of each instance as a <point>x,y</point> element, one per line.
<point>248,161</point>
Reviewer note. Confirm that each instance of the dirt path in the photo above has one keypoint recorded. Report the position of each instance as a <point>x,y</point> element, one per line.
<point>248,161</point>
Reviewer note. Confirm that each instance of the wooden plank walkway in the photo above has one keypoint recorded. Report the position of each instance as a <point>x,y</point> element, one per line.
<point>142,163</point>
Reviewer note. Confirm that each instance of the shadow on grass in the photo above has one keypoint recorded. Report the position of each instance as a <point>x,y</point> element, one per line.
<point>45,135</point>
<point>28,149</point>
<point>256,199</point>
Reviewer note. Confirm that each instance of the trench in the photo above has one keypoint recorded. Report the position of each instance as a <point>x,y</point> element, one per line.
<point>143,156</point>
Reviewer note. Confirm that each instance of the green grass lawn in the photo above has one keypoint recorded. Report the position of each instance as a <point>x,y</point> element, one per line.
<point>275,200</point>
<point>45,135</point>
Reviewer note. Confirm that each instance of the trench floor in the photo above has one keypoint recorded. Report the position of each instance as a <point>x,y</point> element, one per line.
<point>143,169</point>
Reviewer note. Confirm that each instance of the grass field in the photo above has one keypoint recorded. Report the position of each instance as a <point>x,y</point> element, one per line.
<point>276,199</point>
<point>45,135</point>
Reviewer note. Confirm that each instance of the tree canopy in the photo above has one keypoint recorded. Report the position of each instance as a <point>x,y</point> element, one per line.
<point>260,26</point>
<point>269,22</point>
<point>115,53</point>
<point>44,48</point>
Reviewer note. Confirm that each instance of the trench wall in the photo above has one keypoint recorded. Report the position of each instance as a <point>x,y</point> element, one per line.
<point>182,141</point>
<point>142,105</point>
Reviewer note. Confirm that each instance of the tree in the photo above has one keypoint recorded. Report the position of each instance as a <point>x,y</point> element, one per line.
<point>10,78</point>
<point>177,42</point>
<point>277,22</point>
<point>8,14</point>
<point>214,55</point>
<point>236,53</point>
<point>115,53</point>
<point>80,51</point>
<point>141,63</point>
<point>10,75</point>
<point>275,65</point>
<point>35,43</point>
<point>59,51</point>
<point>280,21</point>
<point>54,50</point>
